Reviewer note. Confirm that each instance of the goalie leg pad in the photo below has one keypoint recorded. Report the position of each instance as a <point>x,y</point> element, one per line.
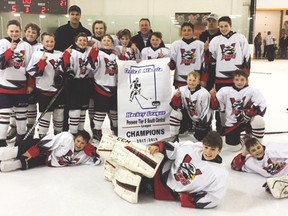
<point>10,165</point>
<point>109,169</point>
<point>126,184</point>
<point>278,186</point>
<point>136,157</point>
<point>106,145</point>
<point>7,153</point>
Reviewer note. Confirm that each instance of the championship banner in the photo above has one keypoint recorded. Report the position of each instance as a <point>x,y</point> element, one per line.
<point>144,94</point>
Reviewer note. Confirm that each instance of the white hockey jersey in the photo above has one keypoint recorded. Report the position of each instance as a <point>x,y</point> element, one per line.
<point>150,53</point>
<point>190,173</point>
<point>45,79</point>
<point>13,78</point>
<point>274,163</point>
<point>106,73</point>
<point>197,103</point>
<point>230,53</point>
<point>233,102</point>
<point>61,148</point>
<point>188,57</point>
<point>79,62</point>
<point>129,53</point>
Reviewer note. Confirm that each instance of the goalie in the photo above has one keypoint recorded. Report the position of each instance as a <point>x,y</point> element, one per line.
<point>190,171</point>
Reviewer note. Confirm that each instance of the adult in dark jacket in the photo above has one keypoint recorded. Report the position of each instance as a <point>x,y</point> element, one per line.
<point>141,39</point>
<point>65,34</point>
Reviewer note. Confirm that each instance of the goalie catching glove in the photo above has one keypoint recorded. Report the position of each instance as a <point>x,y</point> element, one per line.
<point>277,186</point>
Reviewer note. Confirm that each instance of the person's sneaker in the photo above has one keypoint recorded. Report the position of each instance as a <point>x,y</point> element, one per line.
<point>97,134</point>
<point>11,133</point>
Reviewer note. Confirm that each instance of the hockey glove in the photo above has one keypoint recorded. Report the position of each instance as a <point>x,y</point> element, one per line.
<point>90,150</point>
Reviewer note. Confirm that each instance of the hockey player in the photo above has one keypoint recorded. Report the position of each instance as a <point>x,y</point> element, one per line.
<point>268,161</point>
<point>229,52</point>
<point>135,87</point>
<point>243,108</point>
<point>105,80</point>
<point>126,49</point>
<point>14,57</point>
<point>191,172</point>
<point>156,49</point>
<point>186,55</point>
<point>56,151</point>
<point>196,101</point>
<point>32,32</point>
<point>44,66</point>
<point>78,62</point>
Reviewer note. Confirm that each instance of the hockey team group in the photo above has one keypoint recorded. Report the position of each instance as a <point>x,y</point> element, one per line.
<point>73,71</point>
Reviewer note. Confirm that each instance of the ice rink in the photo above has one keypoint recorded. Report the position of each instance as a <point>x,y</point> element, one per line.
<point>82,191</point>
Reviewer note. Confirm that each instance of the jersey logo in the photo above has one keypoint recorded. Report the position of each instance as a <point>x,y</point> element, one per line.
<point>191,107</point>
<point>82,66</point>
<point>131,56</point>
<point>66,159</point>
<point>111,67</point>
<point>18,60</point>
<point>274,167</point>
<point>187,171</point>
<point>228,52</point>
<point>238,107</point>
<point>188,56</point>
<point>55,64</point>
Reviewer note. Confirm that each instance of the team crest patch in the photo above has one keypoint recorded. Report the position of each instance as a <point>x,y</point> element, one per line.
<point>187,172</point>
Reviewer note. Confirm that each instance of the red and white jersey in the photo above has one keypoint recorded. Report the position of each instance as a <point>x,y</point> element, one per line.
<point>44,70</point>
<point>197,103</point>
<point>150,53</point>
<point>61,148</point>
<point>106,73</point>
<point>13,79</point>
<point>188,57</point>
<point>233,102</point>
<point>129,53</point>
<point>229,53</point>
<point>190,173</point>
<point>79,62</point>
<point>274,162</point>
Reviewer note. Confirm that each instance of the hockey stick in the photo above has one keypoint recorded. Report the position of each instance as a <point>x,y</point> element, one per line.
<point>276,132</point>
<point>43,113</point>
<point>143,96</point>
<point>271,132</point>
